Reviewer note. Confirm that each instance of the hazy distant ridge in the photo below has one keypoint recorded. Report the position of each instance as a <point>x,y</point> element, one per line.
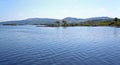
<point>52,21</point>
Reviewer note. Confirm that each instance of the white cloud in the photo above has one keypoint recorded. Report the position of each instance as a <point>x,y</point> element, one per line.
<point>97,10</point>
<point>101,10</point>
<point>118,9</point>
<point>76,7</point>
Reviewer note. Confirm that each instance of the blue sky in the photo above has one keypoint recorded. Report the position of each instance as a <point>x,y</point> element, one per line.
<point>22,9</point>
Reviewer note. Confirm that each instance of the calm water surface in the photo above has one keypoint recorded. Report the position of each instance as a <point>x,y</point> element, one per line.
<point>31,45</point>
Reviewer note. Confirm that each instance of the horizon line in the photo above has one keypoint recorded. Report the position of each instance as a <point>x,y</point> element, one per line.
<point>56,18</point>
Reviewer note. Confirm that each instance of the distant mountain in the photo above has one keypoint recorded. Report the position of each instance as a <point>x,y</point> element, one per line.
<point>52,21</point>
<point>32,21</point>
<point>98,19</point>
<point>95,19</point>
<point>73,20</point>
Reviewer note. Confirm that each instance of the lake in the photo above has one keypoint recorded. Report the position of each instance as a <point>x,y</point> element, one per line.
<point>31,45</point>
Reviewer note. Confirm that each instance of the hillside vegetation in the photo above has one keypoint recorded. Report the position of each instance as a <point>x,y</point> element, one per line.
<point>114,22</point>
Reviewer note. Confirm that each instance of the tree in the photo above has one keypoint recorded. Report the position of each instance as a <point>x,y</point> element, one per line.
<point>58,23</point>
<point>64,23</point>
<point>116,19</point>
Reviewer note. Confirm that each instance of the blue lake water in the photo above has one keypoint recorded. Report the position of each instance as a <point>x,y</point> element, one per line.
<point>31,45</point>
